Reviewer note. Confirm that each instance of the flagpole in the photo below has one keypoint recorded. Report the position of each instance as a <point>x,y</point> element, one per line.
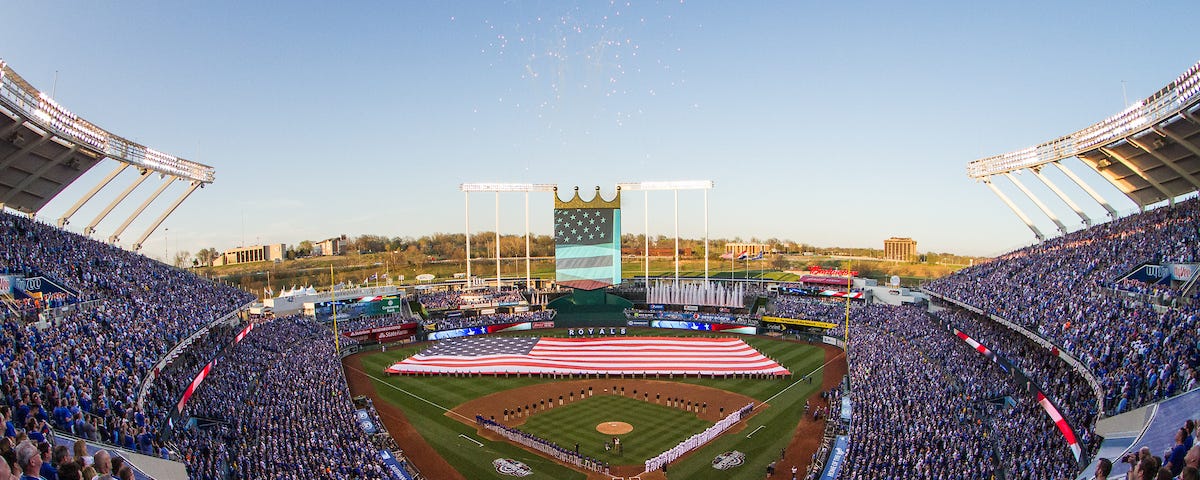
<point>337,343</point>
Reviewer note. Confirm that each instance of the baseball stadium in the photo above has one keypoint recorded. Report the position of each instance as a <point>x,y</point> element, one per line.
<point>602,331</point>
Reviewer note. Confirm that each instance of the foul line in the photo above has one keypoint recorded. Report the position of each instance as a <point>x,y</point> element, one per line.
<point>471,439</point>
<point>760,427</point>
<point>764,402</point>
<point>418,397</point>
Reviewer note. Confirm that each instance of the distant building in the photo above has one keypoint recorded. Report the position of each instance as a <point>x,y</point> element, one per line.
<point>749,248</point>
<point>251,254</point>
<point>330,247</point>
<point>903,249</point>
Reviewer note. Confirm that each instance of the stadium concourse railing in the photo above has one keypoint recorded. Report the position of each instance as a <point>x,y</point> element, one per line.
<point>1066,357</point>
<point>174,352</point>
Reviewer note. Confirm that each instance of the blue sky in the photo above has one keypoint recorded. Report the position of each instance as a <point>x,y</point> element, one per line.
<point>830,123</point>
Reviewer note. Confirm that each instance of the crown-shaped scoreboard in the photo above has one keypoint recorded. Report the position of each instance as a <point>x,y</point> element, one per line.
<point>587,241</point>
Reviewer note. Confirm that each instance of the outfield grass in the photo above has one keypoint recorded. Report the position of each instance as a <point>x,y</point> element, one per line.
<point>785,396</point>
<point>656,428</point>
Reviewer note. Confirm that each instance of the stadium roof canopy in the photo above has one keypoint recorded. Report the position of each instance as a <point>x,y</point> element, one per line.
<point>1150,152</point>
<point>44,148</point>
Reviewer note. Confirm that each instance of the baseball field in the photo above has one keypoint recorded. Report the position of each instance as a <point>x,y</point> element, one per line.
<point>432,417</point>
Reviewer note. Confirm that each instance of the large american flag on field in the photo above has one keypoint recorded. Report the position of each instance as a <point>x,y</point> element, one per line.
<point>609,355</point>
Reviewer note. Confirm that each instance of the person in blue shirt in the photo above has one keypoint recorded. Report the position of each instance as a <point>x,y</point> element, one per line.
<point>49,470</point>
<point>1174,458</point>
<point>10,430</point>
<point>29,462</point>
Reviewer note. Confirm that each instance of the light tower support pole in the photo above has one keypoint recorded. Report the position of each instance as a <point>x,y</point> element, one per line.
<point>706,238</point>
<point>91,228</point>
<point>170,209</point>
<point>1112,213</point>
<point>1024,218</point>
<point>117,234</point>
<point>646,239</point>
<point>527,287</point>
<point>676,238</point>
<point>467,195</point>
<point>497,241</point>
<point>1037,201</point>
<point>1037,172</point>
<point>65,219</point>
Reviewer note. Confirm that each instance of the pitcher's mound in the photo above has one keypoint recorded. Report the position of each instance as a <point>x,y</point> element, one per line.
<point>614,428</point>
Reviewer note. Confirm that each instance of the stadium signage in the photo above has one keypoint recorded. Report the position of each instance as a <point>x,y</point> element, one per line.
<point>575,332</point>
<point>364,422</point>
<point>816,270</point>
<point>386,335</point>
<point>836,458</point>
<point>543,324</point>
<point>510,467</point>
<point>691,308</point>
<point>1183,271</point>
<point>638,323</point>
<point>728,460</point>
<point>395,471</point>
<point>800,322</point>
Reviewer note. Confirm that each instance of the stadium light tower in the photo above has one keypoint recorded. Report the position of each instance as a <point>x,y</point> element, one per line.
<point>674,186</point>
<point>497,188</point>
<point>1145,151</point>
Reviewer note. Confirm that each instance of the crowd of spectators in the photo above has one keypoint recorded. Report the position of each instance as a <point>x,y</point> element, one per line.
<point>926,405</point>
<point>456,299</point>
<point>810,308</point>
<point>82,373</point>
<point>367,323</point>
<point>282,410</point>
<point>1061,383</point>
<point>493,319</point>
<point>1181,460</point>
<point>29,459</point>
<point>168,386</point>
<point>1140,352</point>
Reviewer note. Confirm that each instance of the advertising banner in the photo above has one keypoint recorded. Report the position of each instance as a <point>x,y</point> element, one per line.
<point>800,322</point>
<point>837,457</point>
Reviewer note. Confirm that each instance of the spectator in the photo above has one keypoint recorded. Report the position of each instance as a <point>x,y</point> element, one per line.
<point>29,460</point>
<point>1175,456</point>
<point>1103,469</point>
<point>49,470</point>
<point>103,464</point>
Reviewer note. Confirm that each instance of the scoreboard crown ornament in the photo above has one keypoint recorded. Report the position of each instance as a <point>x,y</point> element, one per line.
<point>597,200</point>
